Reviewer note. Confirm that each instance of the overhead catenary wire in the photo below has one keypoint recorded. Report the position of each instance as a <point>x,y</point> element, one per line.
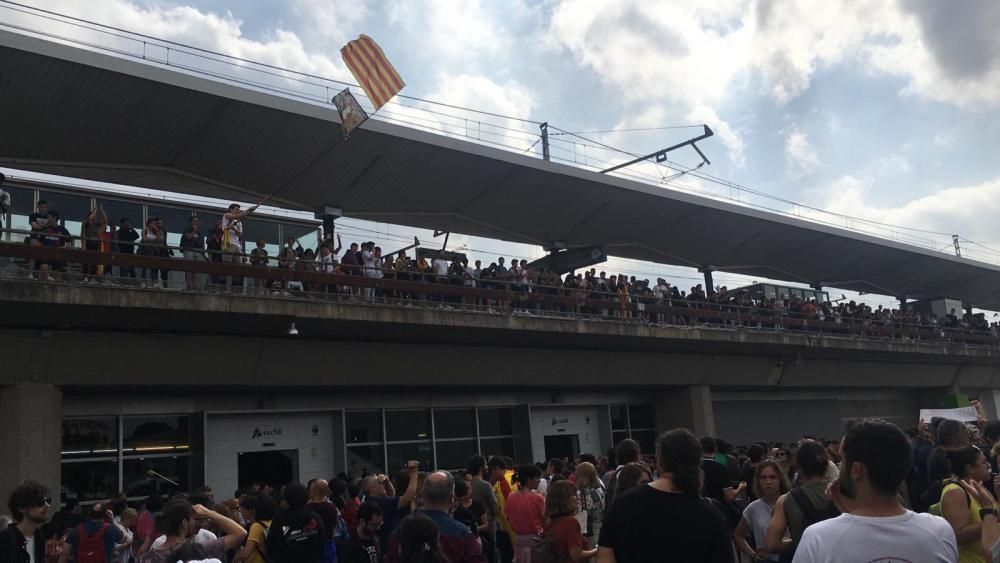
<point>663,128</point>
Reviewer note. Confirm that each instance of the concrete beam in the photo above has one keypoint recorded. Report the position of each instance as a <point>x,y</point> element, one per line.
<point>30,436</point>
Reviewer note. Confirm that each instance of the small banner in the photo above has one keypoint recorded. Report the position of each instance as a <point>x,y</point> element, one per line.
<point>963,414</point>
<point>352,115</point>
<point>373,71</point>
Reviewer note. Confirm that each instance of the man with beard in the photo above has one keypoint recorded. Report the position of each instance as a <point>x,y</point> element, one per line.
<point>22,541</point>
<point>873,524</point>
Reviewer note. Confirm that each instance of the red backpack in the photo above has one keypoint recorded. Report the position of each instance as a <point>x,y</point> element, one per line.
<point>91,549</point>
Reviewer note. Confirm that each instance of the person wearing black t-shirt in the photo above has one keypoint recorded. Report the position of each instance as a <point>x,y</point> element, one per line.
<point>468,511</point>
<point>364,545</point>
<point>667,520</point>
<point>126,237</point>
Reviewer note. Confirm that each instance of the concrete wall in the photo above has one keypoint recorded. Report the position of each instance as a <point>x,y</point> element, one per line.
<point>583,422</point>
<point>30,436</point>
<point>228,436</point>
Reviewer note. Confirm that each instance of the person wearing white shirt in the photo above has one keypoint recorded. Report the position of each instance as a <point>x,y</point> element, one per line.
<point>874,525</point>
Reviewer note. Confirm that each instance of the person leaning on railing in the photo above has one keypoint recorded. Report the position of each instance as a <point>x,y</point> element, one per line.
<point>193,248</point>
<point>90,235</point>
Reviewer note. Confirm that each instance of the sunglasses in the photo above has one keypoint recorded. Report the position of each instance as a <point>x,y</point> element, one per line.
<point>46,501</point>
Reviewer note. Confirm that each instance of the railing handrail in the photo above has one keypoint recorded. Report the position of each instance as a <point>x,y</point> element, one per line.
<point>725,312</point>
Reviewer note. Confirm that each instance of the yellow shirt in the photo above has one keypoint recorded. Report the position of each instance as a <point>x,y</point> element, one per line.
<point>502,504</point>
<point>970,551</point>
<point>256,536</point>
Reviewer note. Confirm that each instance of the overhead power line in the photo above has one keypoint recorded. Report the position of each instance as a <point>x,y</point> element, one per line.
<point>664,128</point>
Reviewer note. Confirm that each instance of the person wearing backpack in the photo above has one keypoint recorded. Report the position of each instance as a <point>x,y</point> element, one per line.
<point>960,509</point>
<point>94,540</point>
<point>259,510</point>
<point>296,533</point>
<point>562,541</point>
<point>804,505</point>
<point>875,525</point>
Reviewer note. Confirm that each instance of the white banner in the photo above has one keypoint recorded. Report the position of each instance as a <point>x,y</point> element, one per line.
<point>965,414</point>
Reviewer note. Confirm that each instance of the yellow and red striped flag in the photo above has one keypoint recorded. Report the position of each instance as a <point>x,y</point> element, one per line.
<point>372,69</point>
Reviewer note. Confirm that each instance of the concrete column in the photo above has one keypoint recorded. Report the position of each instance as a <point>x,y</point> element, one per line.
<point>686,407</point>
<point>30,437</point>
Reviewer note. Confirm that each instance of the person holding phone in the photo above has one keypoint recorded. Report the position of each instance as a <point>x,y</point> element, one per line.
<point>379,489</point>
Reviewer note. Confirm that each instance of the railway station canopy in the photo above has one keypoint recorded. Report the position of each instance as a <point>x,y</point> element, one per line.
<point>86,113</point>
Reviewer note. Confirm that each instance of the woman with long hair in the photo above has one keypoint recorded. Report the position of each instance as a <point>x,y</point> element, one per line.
<point>561,506</point>
<point>525,511</point>
<point>418,540</point>
<point>769,483</point>
<point>962,510</point>
<point>592,501</point>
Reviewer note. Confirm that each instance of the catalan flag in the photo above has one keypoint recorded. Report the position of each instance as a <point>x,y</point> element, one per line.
<point>372,69</point>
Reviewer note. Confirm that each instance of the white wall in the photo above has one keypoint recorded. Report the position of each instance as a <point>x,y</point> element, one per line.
<point>230,434</point>
<point>563,421</point>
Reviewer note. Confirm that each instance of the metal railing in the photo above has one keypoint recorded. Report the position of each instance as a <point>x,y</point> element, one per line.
<point>303,279</point>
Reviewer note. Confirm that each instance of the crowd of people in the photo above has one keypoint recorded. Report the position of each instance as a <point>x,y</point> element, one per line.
<point>522,289</point>
<point>877,494</point>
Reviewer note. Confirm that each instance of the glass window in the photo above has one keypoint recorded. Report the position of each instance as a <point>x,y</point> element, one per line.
<point>497,446</point>
<point>618,435</point>
<point>454,454</point>
<point>641,416</point>
<point>156,433</point>
<point>770,292</point>
<point>21,200</point>
<point>454,423</point>
<point>399,454</point>
<point>619,417</point>
<point>363,460</point>
<point>89,480</point>
<point>70,207</point>
<point>646,439</point>
<point>175,220</point>
<point>306,236</point>
<point>21,205</point>
<point>364,426</point>
<point>495,422</point>
<point>255,230</point>
<point>407,425</point>
<point>89,437</point>
<point>139,477</point>
<point>118,210</point>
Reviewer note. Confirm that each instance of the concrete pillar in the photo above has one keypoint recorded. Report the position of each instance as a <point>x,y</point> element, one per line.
<point>709,282</point>
<point>30,437</point>
<point>686,407</point>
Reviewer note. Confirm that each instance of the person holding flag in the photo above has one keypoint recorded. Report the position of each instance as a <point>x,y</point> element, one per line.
<point>232,237</point>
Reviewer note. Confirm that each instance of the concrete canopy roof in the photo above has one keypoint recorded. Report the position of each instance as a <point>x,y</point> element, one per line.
<point>86,114</point>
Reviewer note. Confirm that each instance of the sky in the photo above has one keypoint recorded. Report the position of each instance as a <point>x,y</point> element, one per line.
<point>882,110</point>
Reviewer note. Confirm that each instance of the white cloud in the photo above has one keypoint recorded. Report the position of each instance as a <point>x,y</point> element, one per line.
<point>183,24</point>
<point>679,58</point>
<point>962,210</point>
<point>459,32</point>
<point>800,156</point>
